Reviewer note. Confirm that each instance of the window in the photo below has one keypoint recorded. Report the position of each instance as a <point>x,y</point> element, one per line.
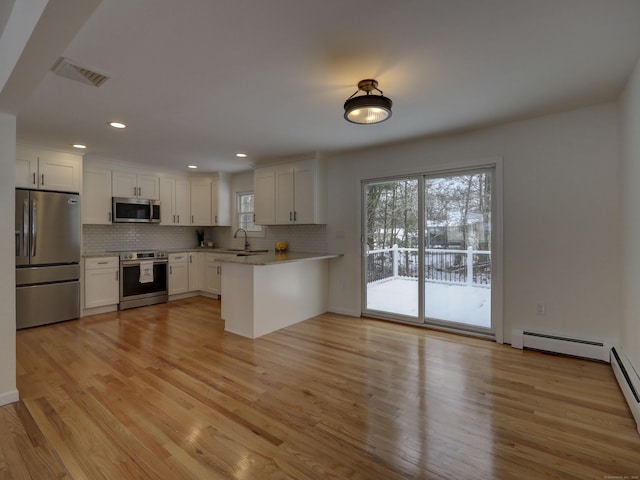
<point>246,215</point>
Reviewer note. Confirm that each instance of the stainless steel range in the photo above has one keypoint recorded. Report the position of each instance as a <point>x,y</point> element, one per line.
<point>143,278</point>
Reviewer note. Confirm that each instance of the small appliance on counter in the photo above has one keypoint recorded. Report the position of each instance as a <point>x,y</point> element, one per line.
<point>47,240</point>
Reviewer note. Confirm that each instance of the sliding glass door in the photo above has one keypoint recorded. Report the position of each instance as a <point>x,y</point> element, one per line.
<point>392,240</point>
<point>427,249</point>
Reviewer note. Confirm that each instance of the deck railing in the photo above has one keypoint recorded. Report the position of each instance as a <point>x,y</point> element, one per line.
<point>470,267</point>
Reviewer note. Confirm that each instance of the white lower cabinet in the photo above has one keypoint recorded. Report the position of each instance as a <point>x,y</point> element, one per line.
<point>194,271</point>
<point>178,273</point>
<point>212,272</point>
<point>101,282</point>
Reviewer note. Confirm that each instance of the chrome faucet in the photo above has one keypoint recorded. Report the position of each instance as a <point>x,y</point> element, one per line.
<point>246,242</point>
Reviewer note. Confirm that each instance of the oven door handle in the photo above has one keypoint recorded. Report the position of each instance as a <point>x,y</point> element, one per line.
<point>135,263</point>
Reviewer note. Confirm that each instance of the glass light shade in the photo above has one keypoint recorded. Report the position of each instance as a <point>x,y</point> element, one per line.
<point>367,109</point>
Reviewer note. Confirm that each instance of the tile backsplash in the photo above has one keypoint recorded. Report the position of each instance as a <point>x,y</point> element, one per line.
<point>105,238</point>
<point>122,236</point>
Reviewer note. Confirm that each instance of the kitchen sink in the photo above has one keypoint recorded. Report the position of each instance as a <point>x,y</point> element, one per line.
<point>244,253</point>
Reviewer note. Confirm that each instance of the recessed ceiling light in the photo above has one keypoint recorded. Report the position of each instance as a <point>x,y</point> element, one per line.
<point>78,145</point>
<point>241,155</point>
<point>192,166</point>
<point>117,125</point>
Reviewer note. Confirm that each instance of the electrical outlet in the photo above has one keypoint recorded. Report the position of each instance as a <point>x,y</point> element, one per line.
<point>541,309</point>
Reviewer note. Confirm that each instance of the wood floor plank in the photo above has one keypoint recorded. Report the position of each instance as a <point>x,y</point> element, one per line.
<point>163,392</point>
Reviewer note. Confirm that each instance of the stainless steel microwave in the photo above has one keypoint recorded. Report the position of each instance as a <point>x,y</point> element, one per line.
<point>135,210</point>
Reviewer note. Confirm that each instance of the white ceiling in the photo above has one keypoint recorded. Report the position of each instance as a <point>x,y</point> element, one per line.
<point>198,80</point>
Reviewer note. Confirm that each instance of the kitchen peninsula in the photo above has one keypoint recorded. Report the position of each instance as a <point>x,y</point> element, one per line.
<point>263,293</point>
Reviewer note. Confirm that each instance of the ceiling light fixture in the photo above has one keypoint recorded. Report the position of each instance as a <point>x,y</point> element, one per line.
<point>367,109</point>
<point>241,155</point>
<point>117,125</point>
<point>192,166</point>
<point>78,145</point>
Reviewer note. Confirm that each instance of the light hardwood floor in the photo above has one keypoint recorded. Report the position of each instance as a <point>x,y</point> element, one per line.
<point>163,392</point>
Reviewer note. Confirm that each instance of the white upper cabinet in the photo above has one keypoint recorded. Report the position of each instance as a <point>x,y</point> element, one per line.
<point>264,191</point>
<point>201,201</point>
<point>175,201</point>
<point>221,200</point>
<point>48,169</point>
<point>132,185</point>
<point>96,196</point>
<point>294,193</point>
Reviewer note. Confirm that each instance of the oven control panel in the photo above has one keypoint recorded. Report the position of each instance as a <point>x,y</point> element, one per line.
<point>142,255</point>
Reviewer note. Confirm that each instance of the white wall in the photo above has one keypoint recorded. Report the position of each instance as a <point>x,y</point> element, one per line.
<point>630,192</point>
<point>8,392</point>
<point>561,216</point>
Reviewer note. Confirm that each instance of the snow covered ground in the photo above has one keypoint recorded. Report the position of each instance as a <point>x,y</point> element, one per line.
<point>455,303</point>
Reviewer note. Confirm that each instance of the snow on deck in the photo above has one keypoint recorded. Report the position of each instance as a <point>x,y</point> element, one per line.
<point>464,304</point>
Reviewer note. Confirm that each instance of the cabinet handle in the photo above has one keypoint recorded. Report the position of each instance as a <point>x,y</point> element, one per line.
<point>117,275</point>
<point>103,263</point>
<point>254,218</point>
<point>192,219</point>
<point>42,179</point>
<point>178,218</point>
<point>109,214</point>
<point>140,191</point>
<point>290,216</point>
<point>135,191</point>
<point>170,270</point>
<point>216,219</point>
<point>173,218</point>
<point>295,216</point>
<point>34,178</point>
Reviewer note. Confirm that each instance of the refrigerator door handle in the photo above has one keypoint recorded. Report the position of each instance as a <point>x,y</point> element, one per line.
<point>25,228</point>
<point>34,229</point>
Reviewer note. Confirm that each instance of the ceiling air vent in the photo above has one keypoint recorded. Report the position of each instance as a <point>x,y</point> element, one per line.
<point>69,69</point>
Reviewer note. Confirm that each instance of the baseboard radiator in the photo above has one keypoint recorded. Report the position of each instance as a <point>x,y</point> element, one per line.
<point>546,342</point>
<point>629,382</point>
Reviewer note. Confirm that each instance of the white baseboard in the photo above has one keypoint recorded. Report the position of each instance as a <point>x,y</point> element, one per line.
<point>11,396</point>
<point>628,381</point>
<point>344,311</point>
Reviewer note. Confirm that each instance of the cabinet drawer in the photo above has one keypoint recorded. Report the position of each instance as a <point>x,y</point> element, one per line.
<point>178,257</point>
<point>101,262</point>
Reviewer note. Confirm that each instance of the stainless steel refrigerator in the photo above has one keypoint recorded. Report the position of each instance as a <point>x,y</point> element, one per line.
<point>47,257</point>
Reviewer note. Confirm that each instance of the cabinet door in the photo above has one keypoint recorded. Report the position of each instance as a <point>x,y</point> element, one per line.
<point>194,272</point>
<point>148,186</point>
<point>96,197</point>
<point>221,201</point>
<point>59,171</point>
<point>167,201</point>
<point>264,191</point>
<point>124,185</point>
<point>178,276</point>
<point>211,275</point>
<point>284,195</point>
<point>304,188</point>
<point>26,170</point>
<point>101,282</point>
<point>182,206</point>
<point>201,202</point>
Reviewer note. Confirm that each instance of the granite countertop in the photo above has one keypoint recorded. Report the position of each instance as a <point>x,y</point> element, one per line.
<point>272,258</point>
